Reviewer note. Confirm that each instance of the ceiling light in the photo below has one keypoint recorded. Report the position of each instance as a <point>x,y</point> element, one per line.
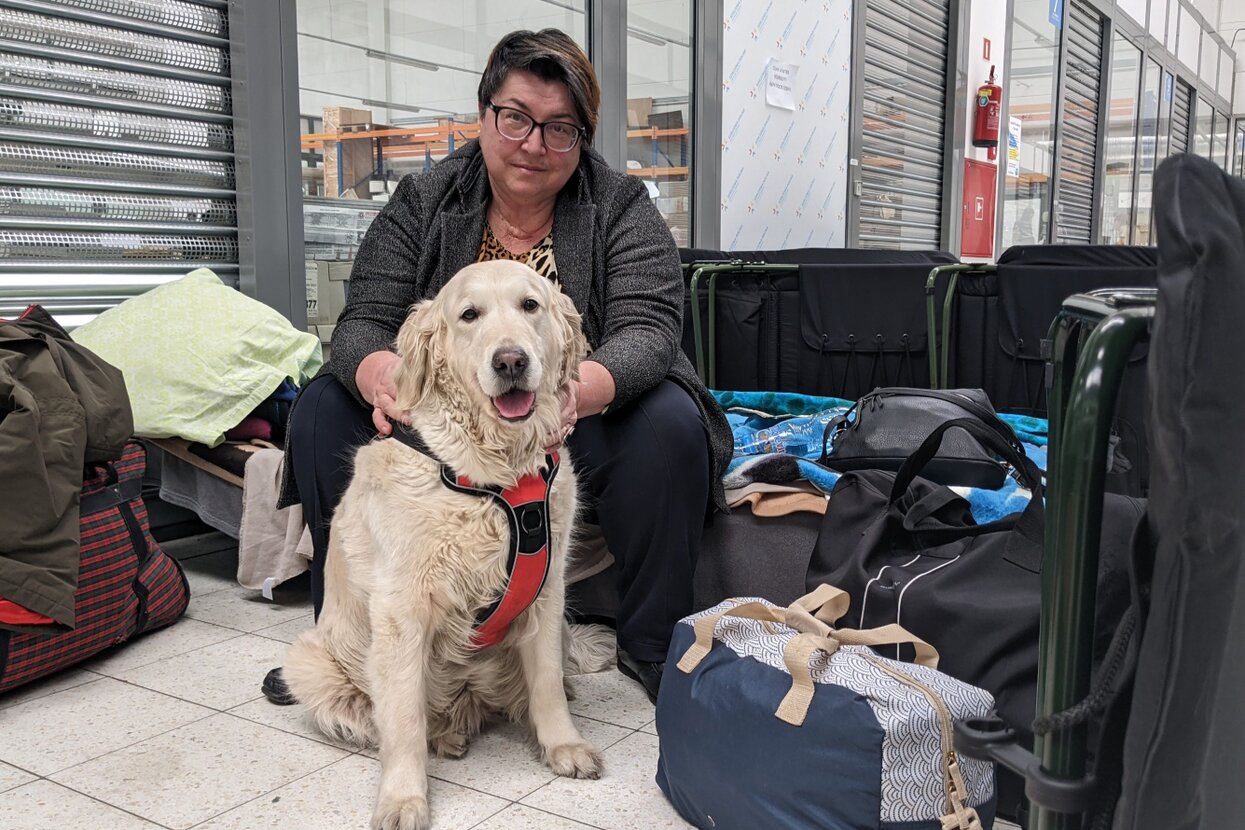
<point>389,56</point>
<point>389,105</point>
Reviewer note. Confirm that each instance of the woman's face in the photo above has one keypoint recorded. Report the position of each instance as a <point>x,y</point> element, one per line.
<point>527,170</point>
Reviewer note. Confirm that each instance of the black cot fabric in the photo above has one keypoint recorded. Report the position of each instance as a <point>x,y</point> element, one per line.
<point>846,322</point>
<point>1136,257</point>
<point>126,585</point>
<point>1197,515</point>
<point>1002,320</point>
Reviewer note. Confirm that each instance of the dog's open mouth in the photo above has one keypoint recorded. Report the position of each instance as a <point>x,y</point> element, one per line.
<point>515,405</point>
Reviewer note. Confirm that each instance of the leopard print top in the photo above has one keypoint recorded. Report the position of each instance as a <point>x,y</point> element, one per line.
<point>539,259</point>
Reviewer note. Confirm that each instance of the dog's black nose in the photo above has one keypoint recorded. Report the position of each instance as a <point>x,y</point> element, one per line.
<point>510,363</point>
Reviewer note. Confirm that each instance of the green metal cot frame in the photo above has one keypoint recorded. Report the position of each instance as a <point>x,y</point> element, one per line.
<point>1092,340</point>
<point>709,374</point>
<point>940,342</point>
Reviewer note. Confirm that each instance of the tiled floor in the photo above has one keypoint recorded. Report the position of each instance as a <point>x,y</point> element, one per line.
<point>170,731</point>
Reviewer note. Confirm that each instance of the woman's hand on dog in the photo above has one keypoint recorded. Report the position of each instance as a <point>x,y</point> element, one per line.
<point>374,377</point>
<point>570,414</point>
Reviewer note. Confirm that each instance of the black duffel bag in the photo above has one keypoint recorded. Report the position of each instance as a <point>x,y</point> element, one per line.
<point>908,551</point>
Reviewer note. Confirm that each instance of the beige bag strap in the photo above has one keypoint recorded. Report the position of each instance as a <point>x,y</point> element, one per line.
<point>794,706</point>
<point>890,635</point>
<point>706,626</point>
<point>827,603</point>
<point>813,613</point>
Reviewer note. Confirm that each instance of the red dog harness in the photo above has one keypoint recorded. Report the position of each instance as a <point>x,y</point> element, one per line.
<point>526,506</point>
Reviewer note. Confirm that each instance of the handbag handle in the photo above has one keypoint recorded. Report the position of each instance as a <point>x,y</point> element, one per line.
<point>1031,522</point>
<point>988,436</point>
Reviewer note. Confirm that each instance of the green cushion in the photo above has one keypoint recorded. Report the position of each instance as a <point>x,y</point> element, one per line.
<point>199,356</point>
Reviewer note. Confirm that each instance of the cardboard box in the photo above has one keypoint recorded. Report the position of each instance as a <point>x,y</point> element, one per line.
<point>337,117</point>
<point>356,156</point>
<point>638,110</point>
<point>327,283</point>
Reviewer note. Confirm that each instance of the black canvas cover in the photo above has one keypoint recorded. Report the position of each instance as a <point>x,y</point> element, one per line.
<point>825,256</point>
<point>848,321</point>
<point>1185,743</point>
<point>1001,320</point>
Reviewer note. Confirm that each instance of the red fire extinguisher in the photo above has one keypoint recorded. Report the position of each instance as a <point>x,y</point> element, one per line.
<point>986,124</point>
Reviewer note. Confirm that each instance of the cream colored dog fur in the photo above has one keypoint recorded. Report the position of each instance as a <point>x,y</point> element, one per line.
<point>411,562</point>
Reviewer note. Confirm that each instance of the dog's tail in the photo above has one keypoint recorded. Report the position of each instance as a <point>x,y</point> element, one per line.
<point>586,648</point>
<point>340,709</point>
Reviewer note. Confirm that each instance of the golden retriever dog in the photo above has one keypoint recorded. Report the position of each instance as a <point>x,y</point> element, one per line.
<point>411,562</point>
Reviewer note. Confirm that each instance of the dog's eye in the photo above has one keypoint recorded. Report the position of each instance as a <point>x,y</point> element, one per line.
<point>530,305</point>
<point>469,315</point>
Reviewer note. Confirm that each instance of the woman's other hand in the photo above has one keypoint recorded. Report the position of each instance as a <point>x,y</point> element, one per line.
<point>374,378</point>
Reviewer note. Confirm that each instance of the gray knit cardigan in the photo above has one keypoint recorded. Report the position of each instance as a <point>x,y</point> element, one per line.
<point>616,261</point>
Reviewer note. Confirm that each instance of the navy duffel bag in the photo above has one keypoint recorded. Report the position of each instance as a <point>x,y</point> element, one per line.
<point>774,719</point>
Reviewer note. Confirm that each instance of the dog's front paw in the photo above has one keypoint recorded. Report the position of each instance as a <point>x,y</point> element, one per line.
<point>577,760</point>
<point>449,746</point>
<point>409,813</point>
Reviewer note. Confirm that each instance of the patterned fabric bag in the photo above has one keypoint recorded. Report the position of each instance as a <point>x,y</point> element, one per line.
<point>126,583</point>
<point>771,718</point>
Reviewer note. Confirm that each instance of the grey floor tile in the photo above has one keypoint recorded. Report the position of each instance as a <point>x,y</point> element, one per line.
<point>60,681</point>
<point>212,572</point>
<point>246,610</point>
<point>188,547</point>
<point>221,676</point>
<point>66,728</point>
<point>180,637</point>
<point>11,777</point>
<point>342,796</point>
<point>292,719</point>
<point>518,817</point>
<point>193,773</point>
<point>650,728</point>
<point>44,805</point>
<point>502,761</point>
<point>608,696</point>
<point>626,797</point>
<point>287,632</point>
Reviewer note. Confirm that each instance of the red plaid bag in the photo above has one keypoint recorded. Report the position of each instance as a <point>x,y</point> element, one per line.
<point>126,583</point>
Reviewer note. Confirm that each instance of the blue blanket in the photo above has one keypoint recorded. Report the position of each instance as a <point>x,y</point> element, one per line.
<point>779,437</point>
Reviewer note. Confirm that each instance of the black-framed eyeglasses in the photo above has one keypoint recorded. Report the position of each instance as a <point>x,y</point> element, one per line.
<point>516,125</point>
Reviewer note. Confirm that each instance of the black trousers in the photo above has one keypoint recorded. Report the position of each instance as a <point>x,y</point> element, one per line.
<point>643,470</point>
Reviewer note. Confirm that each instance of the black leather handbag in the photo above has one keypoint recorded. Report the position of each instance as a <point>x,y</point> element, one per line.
<point>888,425</point>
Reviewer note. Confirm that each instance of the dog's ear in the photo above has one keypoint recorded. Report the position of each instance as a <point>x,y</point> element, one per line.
<point>421,345</point>
<point>571,336</point>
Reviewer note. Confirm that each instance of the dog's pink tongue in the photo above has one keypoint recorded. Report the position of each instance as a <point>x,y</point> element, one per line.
<point>515,404</point>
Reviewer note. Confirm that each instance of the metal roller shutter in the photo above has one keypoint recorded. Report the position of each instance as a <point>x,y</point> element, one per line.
<point>1182,111</point>
<point>116,150</point>
<point>1078,157</point>
<point>902,139</point>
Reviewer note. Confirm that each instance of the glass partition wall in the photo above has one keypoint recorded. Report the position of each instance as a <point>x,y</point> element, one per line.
<point>1032,85</point>
<point>659,71</point>
<point>388,87</point>
<point>1146,79</point>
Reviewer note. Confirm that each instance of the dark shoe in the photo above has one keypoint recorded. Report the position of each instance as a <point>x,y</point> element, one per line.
<point>275,690</point>
<point>647,675</point>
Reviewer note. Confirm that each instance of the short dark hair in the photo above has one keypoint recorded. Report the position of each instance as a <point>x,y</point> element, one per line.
<point>550,55</point>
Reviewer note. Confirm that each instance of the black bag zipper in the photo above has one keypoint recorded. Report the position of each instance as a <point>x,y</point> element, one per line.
<point>874,398</point>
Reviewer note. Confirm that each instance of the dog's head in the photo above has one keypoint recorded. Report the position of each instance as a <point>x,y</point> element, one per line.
<point>499,339</point>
